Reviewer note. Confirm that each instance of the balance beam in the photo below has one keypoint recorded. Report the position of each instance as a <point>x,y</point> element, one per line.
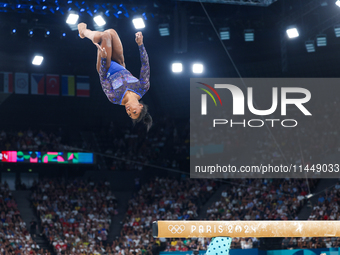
<point>185,229</point>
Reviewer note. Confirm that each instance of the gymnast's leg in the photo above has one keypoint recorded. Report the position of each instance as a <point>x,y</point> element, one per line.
<point>117,47</point>
<point>109,40</point>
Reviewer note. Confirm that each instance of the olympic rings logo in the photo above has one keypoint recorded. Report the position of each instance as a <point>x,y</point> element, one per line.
<point>176,229</point>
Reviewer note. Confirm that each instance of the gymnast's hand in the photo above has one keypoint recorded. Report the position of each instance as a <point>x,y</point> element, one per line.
<point>102,51</point>
<point>139,38</point>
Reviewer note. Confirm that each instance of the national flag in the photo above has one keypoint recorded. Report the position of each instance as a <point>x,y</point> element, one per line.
<point>83,86</point>
<point>37,84</point>
<point>6,82</point>
<point>67,85</point>
<point>21,83</point>
<point>52,84</point>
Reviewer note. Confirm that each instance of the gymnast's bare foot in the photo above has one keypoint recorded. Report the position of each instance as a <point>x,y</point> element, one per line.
<point>81,28</point>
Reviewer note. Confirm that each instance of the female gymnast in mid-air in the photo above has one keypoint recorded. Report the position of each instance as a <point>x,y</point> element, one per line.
<point>118,83</point>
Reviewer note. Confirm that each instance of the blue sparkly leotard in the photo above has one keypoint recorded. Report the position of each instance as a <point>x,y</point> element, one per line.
<point>116,84</point>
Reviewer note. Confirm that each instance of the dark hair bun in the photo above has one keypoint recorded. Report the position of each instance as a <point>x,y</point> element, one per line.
<point>147,120</point>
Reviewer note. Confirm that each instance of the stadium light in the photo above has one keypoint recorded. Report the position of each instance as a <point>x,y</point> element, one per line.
<point>99,20</point>
<point>177,67</point>
<point>249,35</point>
<point>224,33</point>
<point>30,33</point>
<point>47,33</point>
<point>337,3</point>
<point>37,60</point>
<point>164,29</point>
<point>72,18</point>
<point>197,68</point>
<point>292,32</point>
<point>337,30</point>
<point>310,47</point>
<point>13,32</point>
<point>138,23</point>
<point>321,40</point>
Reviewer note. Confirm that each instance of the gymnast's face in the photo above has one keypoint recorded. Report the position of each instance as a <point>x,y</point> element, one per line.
<point>133,110</point>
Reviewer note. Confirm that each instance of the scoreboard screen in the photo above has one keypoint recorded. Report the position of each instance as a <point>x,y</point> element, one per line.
<point>46,157</point>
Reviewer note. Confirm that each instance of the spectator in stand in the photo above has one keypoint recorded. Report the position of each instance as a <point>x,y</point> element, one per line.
<point>75,215</point>
<point>14,237</point>
<point>33,227</point>
<point>259,199</point>
<point>311,140</point>
<point>326,208</point>
<point>136,145</point>
<point>163,199</point>
<point>35,140</point>
<point>321,199</point>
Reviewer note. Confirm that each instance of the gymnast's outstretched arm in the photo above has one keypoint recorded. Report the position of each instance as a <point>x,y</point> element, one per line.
<point>144,77</point>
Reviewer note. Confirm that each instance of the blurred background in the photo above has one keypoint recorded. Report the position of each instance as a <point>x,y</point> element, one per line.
<point>78,178</point>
